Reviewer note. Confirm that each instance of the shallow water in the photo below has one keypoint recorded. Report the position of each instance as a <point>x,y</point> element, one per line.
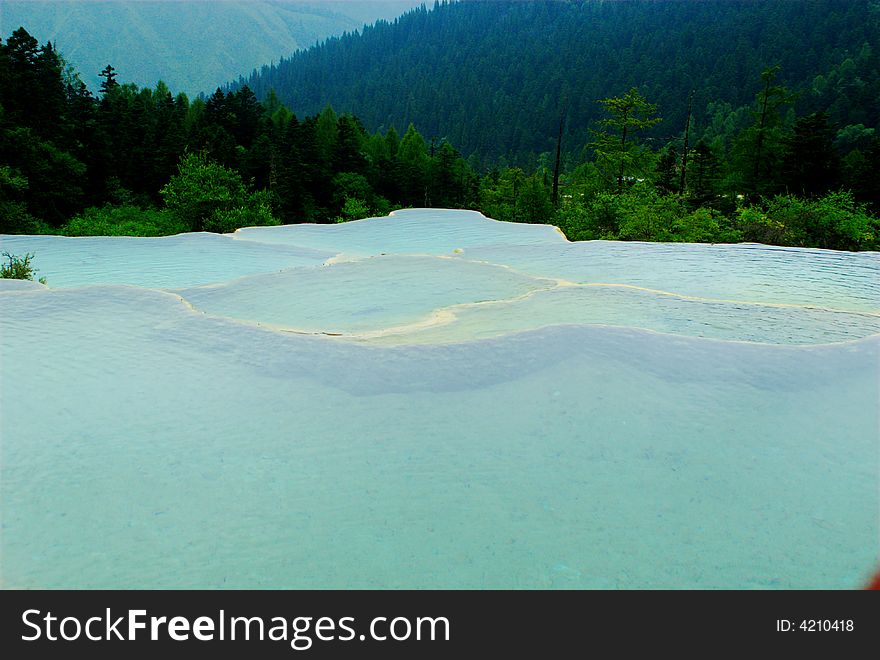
<point>745,272</point>
<point>166,262</point>
<point>563,437</point>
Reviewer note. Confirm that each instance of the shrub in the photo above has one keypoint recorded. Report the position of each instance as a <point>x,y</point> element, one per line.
<point>353,209</point>
<point>834,221</point>
<point>641,214</point>
<point>597,216</point>
<point>205,196</point>
<point>124,221</point>
<point>256,213</point>
<point>19,268</point>
<point>704,225</point>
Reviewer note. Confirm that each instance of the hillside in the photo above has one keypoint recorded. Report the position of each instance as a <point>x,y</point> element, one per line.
<point>194,46</point>
<point>490,76</point>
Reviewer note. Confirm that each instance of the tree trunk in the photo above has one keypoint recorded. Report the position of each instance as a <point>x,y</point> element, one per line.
<point>562,114</point>
<point>760,144</point>
<point>684,155</point>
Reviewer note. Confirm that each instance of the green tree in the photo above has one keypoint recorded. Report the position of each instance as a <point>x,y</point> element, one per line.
<point>353,209</point>
<point>535,203</point>
<point>667,171</point>
<point>513,196</point>
<point>835,221</point>
<point>411,168</point>
<point>448,177</point>
<point>351,185</point>
<point>14,217</point>
<point>326,133</point>
<point>54,179</point>
<point>860,168</point>
<point>109,75</point>
<point>617,150</point>
<point>348,149</point>
<point>704,176</point>
<point>758,151</point>
<point>810,165</point>
<point>205,196</point>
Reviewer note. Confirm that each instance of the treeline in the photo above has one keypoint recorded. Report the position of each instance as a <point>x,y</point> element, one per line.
<point>780,179</point>
<point>141,162</point>
<point>492,76</point>
<point>135,155</point>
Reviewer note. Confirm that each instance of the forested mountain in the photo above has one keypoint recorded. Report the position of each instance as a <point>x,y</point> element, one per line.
<point>193,45</point>
<point>142,161</point>
<point>492,76</point>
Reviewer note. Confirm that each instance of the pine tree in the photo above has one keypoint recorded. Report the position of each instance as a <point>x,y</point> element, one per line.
<point>617,150</point>
<point>348,151</point>
<point>705,174</point>
<point>109,75</point>
<point>811,166</point>
<point>411,169</point>
<point>757,154</point>
<point>667,171</point>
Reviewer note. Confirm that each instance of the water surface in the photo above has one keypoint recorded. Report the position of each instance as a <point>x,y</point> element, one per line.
<point>523,413</point>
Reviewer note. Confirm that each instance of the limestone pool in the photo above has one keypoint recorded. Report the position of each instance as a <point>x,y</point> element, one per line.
<point>437,400</point>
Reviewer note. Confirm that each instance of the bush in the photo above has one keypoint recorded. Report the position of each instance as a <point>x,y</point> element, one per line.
<point>205,196</point>
<point>512,196</point>
<point>257,213</point>
<point>14,217</point>
<point>124,221</point>
<point>353,209</point>
<point>594,217</point>
<point>348,185</point>
<point>641,214</point>
<point>834,221</point>
<point>648,216</point>
<point>19,268</point>
<point>704,225</point>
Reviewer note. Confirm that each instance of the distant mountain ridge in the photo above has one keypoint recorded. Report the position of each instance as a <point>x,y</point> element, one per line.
<point>492,77</point>
<point>194,46</point>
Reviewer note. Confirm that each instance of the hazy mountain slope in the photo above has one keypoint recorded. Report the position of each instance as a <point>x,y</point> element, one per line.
<point>193,46</point>
<point>490,76</point>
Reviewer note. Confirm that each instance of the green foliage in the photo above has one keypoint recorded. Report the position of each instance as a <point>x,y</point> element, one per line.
<point>353,209</point>
<point>104,165</point>
<point>205,196</point>
<point>411,168</point>
<point>349,185</point>
<point>642,214</point>
<point>534,204</point>
<point>834,221</point>
<point>53,178</point>
<point>593,217</point>
<point>19,268</point>
<point>124,221</point>
<point>496,92</point>
<point>228,220</point>
<point>14,217</point>
<point>667,174</point>
<point>618,154</point>
<point>704,225</point>
<point>704,176</point>
<point>810,164</point>
<point>759,150</point>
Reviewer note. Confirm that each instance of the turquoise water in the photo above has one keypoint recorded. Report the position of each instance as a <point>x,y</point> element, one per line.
<point>746,272</point>
<point>171,261</point>
<point>372,294</point>
<point>478,425</point>
<point>410,231</point>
